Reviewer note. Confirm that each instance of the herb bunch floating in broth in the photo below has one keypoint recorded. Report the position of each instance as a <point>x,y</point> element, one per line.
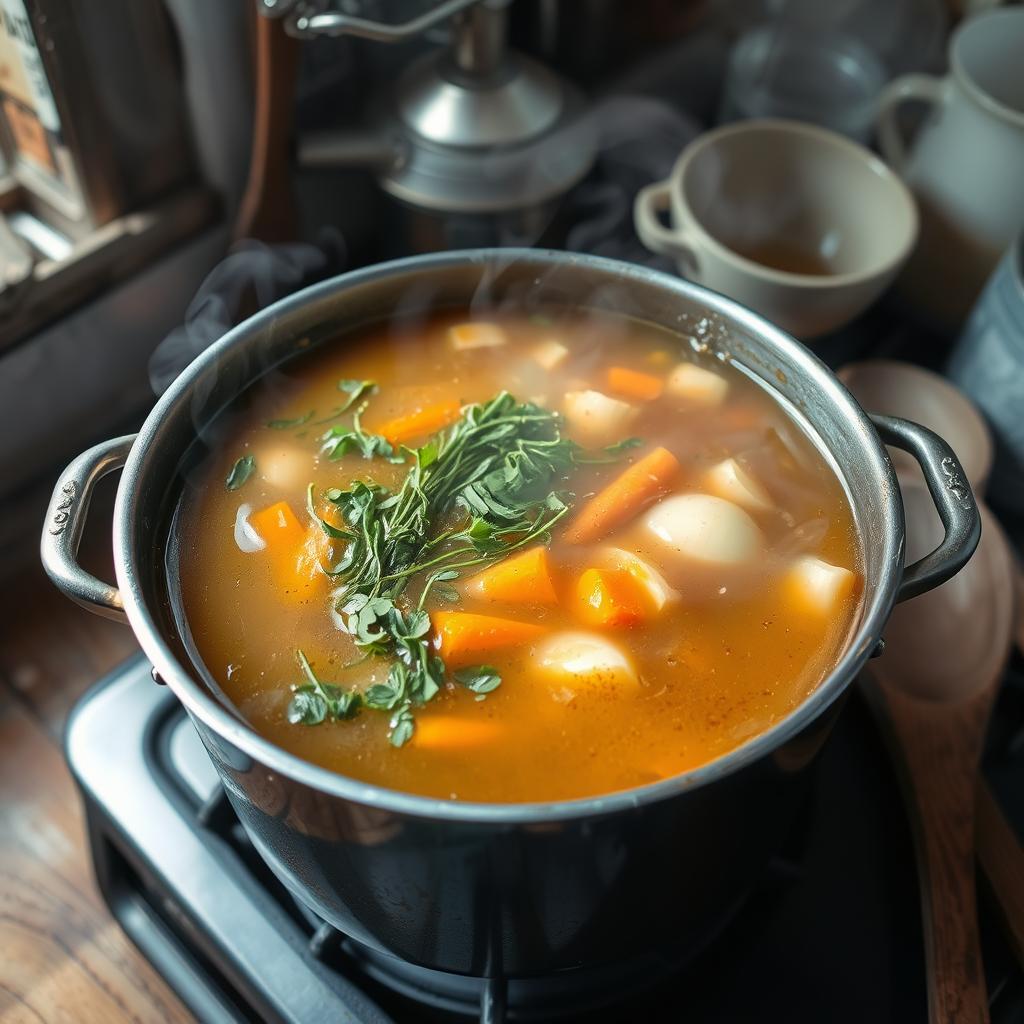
<point>495,470</point>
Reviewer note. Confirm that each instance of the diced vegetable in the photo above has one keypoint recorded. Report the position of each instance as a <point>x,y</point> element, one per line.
<point>659,357</point>
<point>625,496</point>
<point>658,590</point>
<point>731,481</point>
<point>462,636</point>
<point>595,417</point>
<point>420,423</point>
<point>634,384</point>
<point>283,466</point>
<point>521,579</point>
<point>815,587</point>
<point>703,528</point>
<point>298,573</point>
<point>549,354</point>
<point>476,335</point>
<point>610,597</point>
<point>295,552</point>
<point>246,538</point>
<point>568,659</point>
<point>700,386</point>
<point>277,526</point>
<point>449,732</point>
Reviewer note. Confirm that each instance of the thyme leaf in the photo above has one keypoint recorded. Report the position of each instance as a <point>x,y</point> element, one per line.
<point>240,472</point>
<point>314,701</point>
<point>298,421</point>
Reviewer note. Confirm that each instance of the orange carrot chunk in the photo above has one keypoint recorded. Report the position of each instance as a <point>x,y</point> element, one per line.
<point>295,552</point>
<point>277,526</point>
<point>522,579</point>
<point>420,423</point>
<point>634,384</point>
<point>610,597</point>
<point>449,732</point>
<point>625,496</point>
<point>462,637</point>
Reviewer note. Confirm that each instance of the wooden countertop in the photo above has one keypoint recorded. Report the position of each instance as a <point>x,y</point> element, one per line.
<point>63,958</point>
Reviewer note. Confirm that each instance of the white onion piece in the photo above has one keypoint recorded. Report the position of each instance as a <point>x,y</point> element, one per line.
<point>706,529</point>
<point>549,354</point>
<point>584,658</point>
<point>817,587</point>
<point>644,573</point>
<point>246,537</point>
<point>596,417</point>
<point>283,467</point>
<point>697,385</point>
<point>476,335</point>
<point>731,481</point>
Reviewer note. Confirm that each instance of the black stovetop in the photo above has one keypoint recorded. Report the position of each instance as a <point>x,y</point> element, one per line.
<point>832,932</point>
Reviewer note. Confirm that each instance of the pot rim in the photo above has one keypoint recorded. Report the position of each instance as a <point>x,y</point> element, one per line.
<point>204,707</point>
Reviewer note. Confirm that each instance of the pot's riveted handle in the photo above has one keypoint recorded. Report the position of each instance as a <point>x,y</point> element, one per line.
<point>954,501</point>
<point>65,518</point>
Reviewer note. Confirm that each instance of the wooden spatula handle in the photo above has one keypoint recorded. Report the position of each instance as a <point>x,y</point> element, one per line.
<point>1002,859</point>
<point>936,755</point>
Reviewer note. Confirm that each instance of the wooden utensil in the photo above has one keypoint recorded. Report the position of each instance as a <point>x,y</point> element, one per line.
<point>933,691</point>
<point>999,850</point>
<point>1002,861</point>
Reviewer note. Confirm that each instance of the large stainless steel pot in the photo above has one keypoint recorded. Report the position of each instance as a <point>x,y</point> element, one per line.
<point>495,889</point>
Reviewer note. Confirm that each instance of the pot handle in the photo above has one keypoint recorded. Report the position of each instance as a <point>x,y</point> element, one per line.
<point>954,501</point>
<point>62,531</point>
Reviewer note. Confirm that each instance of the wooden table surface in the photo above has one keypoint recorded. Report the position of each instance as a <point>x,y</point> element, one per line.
<point>63,958</point>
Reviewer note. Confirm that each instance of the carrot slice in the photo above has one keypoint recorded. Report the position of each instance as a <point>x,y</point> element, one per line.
<point>634,384</point>
<point>297,572</point>
<point>421,422</point>
<point>463,636</point>
<point>277,526</point>
<point>523,579</point>
<point>625,496</point>
<point>610,597</point>
<point>448,732</point>
<point>295,552</point>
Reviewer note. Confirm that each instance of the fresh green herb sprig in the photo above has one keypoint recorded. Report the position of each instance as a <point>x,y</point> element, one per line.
<point>240,472</point>
<point>315,700</point>
<point>298,421</point>
<point>498,464</point>
<point>339,440</point>
<point>354,389</point>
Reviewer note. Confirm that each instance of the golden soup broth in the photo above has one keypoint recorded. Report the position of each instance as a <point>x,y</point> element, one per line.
<point>735,653</point>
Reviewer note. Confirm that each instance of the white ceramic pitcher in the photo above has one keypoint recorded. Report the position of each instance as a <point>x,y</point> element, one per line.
<point>966,164</point>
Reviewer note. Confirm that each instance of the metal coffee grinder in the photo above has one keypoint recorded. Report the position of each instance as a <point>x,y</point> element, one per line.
<point>476,142</point>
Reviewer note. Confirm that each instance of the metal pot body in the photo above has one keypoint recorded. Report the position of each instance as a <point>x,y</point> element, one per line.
<point>519,890</point>
<point>639,888</point>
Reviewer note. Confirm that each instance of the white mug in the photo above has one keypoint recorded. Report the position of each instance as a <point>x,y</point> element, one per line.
<point>800,224</point>
<point>966,164</point>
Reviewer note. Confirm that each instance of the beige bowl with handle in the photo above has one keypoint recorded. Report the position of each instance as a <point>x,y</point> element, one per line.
<point>792,220</point>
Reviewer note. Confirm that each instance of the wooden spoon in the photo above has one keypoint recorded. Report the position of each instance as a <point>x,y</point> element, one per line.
<point>933,691</point>
<point>999,850</point>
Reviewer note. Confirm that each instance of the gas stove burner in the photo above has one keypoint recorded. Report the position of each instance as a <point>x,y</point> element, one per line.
<point>557,997</point>
<point>832,933</point>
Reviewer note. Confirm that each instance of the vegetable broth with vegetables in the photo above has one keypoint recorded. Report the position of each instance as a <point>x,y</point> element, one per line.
<point>515,559</point>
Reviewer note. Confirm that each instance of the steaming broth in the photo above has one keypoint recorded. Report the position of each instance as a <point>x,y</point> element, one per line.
<point>678,610</point>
